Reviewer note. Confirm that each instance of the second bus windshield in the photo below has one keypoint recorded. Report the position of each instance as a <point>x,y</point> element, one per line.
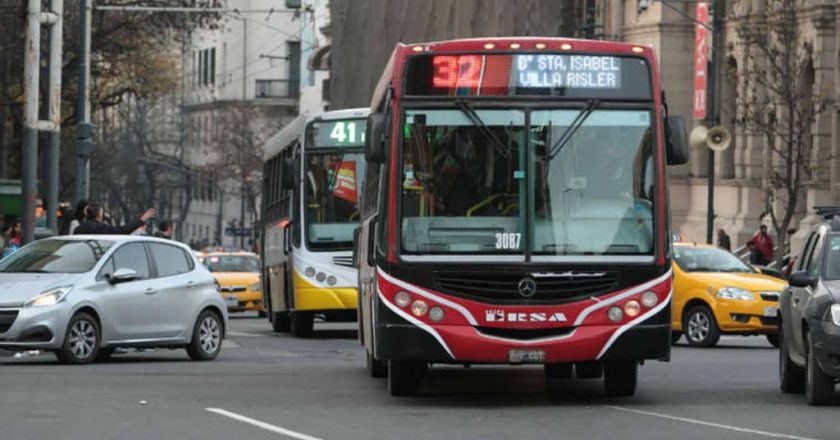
<point>465,187</point>
<point>334,164</point>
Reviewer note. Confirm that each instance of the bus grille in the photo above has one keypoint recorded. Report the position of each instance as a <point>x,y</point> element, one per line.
<point>346,261</point>
<point>504,288</point>
<point>7,318</point>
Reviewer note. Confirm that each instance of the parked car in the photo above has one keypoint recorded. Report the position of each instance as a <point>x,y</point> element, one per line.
<point>84,296</point>
<point>238,274</point>
<point>716,293</point>
<point>809,356</point>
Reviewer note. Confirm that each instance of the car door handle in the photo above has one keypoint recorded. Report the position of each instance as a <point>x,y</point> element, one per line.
<point>190,284</point>
<point>150,291</point>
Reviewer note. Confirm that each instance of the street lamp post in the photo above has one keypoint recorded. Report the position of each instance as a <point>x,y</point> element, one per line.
<point>713,114</point>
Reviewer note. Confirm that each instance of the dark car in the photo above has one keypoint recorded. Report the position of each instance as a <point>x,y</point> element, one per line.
<point>809,326</point>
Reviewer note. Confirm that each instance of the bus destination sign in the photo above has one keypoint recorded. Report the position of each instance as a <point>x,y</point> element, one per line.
<point>338,133</point>
<point>573,71</point>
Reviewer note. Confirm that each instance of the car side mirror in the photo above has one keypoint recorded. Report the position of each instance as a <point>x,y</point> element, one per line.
<point>801,279</point>
<point>122,276</point>
<point>676,141</point>
<point>375,138</point>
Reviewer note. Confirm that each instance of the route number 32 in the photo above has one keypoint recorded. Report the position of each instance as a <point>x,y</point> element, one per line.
<point>508,240</point>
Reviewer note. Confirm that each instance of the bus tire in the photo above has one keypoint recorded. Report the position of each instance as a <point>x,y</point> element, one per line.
<point>301,323</point>
<point>375,368</point>
<point>700,327</point>
<point>280,322</point>
<point>404,378</point>
<point>620,377</point>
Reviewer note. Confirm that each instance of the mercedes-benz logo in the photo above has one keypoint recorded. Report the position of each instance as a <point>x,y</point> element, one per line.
<point>527,287</point>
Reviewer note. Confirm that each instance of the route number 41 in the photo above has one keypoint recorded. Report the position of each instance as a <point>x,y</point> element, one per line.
<point>345,133</point>
<point>508,240</point>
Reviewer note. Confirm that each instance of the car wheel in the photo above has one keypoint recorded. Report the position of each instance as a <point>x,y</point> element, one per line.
<point>207,337</point>
<point>404,378</point>
<point>675,336</point>
<point>819,387</point>
<point>791,376</point>
<point>700,327</point>
<point>773,340</point>
<point>589,370</point>
<point>558,371</point>
<point>375,368</point>
<point>620,377</point>
<point>280,322</point>
<point>301,323</point>
<point>81,340</point>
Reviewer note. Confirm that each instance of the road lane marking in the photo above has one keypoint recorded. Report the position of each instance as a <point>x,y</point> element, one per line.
<point>710,424</point>
<point>262,425</point>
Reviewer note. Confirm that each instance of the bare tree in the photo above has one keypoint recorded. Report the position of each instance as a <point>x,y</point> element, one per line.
<point>780,105</point>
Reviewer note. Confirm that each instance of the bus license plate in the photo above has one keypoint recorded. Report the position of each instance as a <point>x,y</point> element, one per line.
<point>526,356</point>
<point>770,311</point>
<point>231,301</point>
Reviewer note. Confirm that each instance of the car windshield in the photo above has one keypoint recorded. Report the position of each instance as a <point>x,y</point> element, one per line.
<point>232,263</point>
<point>56,256</point>
<point>466,179</point>
<point>334,164</point>
<point>832,267</point>
<point>708,259</point>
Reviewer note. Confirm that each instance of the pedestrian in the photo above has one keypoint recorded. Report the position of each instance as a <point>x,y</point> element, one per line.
<point>723,240</point>
<point>754,255</point>
<point>16,237</point>
<point>166,229</point>
<point>95,222</point>
<point>763,244</point>
<point>5,236</point>
<point>79,216</point>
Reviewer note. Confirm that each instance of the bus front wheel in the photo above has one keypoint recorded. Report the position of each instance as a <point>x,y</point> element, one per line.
<point>301,323</point>
<point>280,322</point>
<point>620,377</point>
<point>376,368</point>
<point>404,377</point>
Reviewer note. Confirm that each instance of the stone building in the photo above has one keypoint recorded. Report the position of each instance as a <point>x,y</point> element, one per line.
<point>741,172</point>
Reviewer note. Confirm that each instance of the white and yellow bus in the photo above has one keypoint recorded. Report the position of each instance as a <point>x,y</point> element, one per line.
<point>312,184</point>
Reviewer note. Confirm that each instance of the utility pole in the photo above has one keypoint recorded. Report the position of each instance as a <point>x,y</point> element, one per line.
<point>54,102</point>
<point>713,112</point>
<point>84,128</point>
<point>31,82</point>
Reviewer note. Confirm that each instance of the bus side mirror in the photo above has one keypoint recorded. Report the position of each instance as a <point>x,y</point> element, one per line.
<point>356,233</point>
<point>676,141</point>
<point>371,242</point>
<point>375,138</point>
<point>288,173</point>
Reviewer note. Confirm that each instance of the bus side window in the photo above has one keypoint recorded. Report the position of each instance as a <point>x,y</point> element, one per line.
<point>294,197</point>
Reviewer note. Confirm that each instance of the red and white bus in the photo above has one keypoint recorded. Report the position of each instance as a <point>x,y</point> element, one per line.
<point>516,210</point>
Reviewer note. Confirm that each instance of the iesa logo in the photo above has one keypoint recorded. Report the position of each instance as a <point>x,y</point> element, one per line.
<point>501,316</point>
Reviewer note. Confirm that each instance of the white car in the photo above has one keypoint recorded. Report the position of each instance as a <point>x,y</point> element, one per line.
<point>83,296</point>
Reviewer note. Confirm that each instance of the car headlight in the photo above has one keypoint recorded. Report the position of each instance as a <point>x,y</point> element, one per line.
<point>835,314</point>
<point>735,293</point>
<point>49,297</point>
<point>256,287</point>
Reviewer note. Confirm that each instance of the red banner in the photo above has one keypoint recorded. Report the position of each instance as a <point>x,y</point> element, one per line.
<point>701,55</point>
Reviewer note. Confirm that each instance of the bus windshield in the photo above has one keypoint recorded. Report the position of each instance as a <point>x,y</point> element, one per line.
<point>334,164</point>
<point>467,182</point>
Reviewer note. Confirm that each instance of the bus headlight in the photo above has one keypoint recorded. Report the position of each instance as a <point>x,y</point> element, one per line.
<point>436,314</point>
<point>735,293</point>
<point>632,308</point>
<point>402,298</point>
<point>835,314</point>
<point>331,280</point>
<point>615,314</point>
<point>310,271</point>
<point>419,308</point>
<point>321,276</point>
<point>649,299</point>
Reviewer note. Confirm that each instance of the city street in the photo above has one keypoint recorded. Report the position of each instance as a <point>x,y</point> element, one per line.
<point>270,386</point>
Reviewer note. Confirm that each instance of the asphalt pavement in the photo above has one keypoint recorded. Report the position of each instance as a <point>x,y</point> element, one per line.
<point>271,386</point>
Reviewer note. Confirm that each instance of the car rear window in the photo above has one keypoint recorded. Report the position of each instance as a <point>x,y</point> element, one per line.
<point>170,260</point>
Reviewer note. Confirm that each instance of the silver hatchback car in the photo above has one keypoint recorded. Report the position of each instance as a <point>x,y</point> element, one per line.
<point>84,296</point>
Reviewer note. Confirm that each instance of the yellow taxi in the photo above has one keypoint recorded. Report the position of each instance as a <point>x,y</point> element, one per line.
<point>716,293</point>
<point>238,275</point>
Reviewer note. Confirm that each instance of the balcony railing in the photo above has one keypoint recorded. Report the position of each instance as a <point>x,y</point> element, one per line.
<point>275,88</point>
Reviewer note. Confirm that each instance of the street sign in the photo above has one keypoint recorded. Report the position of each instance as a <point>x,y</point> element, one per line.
<point>701,56</point>
<point>237,232</point>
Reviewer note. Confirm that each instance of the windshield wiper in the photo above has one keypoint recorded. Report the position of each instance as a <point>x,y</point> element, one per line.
<point>581,117</point>
<point>476,120</point>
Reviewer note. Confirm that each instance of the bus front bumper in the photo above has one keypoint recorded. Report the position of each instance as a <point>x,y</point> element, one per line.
<point>398,339</point>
